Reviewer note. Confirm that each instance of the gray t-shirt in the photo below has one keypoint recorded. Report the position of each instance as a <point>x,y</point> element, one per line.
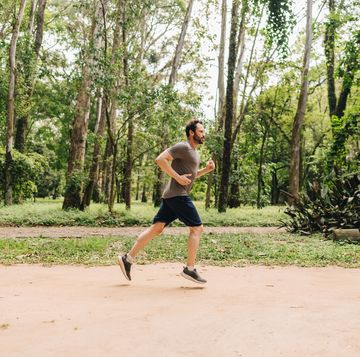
<point>186,161</point>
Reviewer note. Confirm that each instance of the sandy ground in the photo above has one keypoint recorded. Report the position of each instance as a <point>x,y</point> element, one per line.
<point>58,232</point>
<point>251,311</point>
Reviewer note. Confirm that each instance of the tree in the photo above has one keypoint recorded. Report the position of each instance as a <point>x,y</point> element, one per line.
<point>10,104</point>
<point>294,172</point>
<point>221,95</point>
<point>75,175</point>
<point>226,157</point>
<point>28,69</point>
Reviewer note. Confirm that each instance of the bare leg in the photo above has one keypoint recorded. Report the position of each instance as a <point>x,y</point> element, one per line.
<point>146,236</point>
<point>193,243</point>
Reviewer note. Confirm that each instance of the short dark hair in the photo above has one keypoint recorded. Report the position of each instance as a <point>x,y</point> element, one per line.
<point>191,125</point>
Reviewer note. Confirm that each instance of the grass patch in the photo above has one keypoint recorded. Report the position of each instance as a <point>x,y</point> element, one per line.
<point>215,249</point>
<point>45,213</point>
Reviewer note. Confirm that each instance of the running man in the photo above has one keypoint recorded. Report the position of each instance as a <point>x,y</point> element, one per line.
<point>176,202</point>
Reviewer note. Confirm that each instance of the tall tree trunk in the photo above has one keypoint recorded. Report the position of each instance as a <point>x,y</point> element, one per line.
<point>244,97</point>
<point>31,16</point>
<point>226,156</point>
<point>294,176</point>
<point>94,169</point>
<point>274,187</point>
<point>172,80</point>
<point>221,91</point>
<point>329,44</point>
<point>221,62</point>
<point>241,45</point>
<point>345,91</point>
<point>260,170</point>
<point>10,106</point>
<point>143,195</point>
<point>234,200</point>
<point>180,44</point>
<point>129,163</point>
<point>110,143</point>
<point>30,72</point>
<point>110,105</point>
<point>74,187</point>
<point>130,120</point>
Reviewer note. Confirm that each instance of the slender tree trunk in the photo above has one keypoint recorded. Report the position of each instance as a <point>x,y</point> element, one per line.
<point>30,72</point>
<point>345,91</point>
<point>226,157</point>
<point>74,191</point>
<point>94,169</point>
<point>31,16</point>
<point>274,187</point>
<point>221,90</point>
<point>110,104</point>
<point>10,106</point>
<point>329,44</point>
<point>137,194</point>
<point>143,196</point>
<point>241,44</point>
<point>129,163</point>
<point>294,176</point>
<point>260,170</point>
<point>245,98</point>
<point>221,61</point>
<point>113,178</point>
<point>130,132</point>
<point>180,44</point>
<point>234,200</point>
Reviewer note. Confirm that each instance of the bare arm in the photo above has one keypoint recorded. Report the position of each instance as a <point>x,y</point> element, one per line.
<point>163,162</point>
<point>210,166</point>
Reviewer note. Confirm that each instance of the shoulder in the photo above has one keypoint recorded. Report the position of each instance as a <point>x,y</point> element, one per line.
<point>182,145</point>
<point>179,150</point>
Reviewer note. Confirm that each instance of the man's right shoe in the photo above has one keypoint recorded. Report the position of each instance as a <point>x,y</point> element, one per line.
<point>125,266</point>
<point>192,275</point>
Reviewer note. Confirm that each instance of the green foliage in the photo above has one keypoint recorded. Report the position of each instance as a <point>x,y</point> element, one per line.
<point>343,129</point>
<point>26,172</point>
<point>350,62</point>
<point>280,22</point>
<point>336,205</point>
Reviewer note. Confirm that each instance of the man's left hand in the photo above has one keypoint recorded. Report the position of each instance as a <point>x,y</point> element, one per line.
<point>210,165</point>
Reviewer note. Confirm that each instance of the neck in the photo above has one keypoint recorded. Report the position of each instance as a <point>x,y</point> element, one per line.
<point>192,143</point>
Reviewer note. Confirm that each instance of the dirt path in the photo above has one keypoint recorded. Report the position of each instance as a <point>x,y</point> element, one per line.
<point>58,232</point>
<point>251,311</point>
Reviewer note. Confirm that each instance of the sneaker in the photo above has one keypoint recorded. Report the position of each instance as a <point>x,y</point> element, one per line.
<point>192,275</point>
<point>125,266</point>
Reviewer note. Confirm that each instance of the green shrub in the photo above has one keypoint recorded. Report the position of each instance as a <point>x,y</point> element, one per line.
<point>336,205</point>
<point>26,171</point>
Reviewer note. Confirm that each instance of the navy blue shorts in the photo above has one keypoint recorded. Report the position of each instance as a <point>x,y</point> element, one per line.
<point>180,207</point>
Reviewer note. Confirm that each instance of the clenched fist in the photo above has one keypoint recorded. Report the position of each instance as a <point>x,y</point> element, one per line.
<point>210,165</point>
<point>183,179</point>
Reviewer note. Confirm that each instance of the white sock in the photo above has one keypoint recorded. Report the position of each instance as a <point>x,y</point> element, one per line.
<point>191,267</point>
<point>129,258</point>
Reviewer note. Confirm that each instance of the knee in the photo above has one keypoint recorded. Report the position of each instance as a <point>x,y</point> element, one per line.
<point>198,230</point>
<point>157,228</point>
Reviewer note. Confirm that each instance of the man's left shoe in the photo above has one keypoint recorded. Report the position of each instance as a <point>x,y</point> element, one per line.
<point>192,275</point>
<point>125,266</point>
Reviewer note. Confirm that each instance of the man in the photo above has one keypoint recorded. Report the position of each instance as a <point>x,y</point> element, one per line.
<point>176,202</point>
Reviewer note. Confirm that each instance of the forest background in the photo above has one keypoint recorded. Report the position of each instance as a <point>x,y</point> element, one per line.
<point>92,91</point>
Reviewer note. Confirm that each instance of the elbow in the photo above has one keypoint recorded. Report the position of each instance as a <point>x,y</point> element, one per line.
<point>157,161</point>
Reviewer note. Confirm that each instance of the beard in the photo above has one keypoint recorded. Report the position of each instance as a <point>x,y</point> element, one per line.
<point>199,139</point>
